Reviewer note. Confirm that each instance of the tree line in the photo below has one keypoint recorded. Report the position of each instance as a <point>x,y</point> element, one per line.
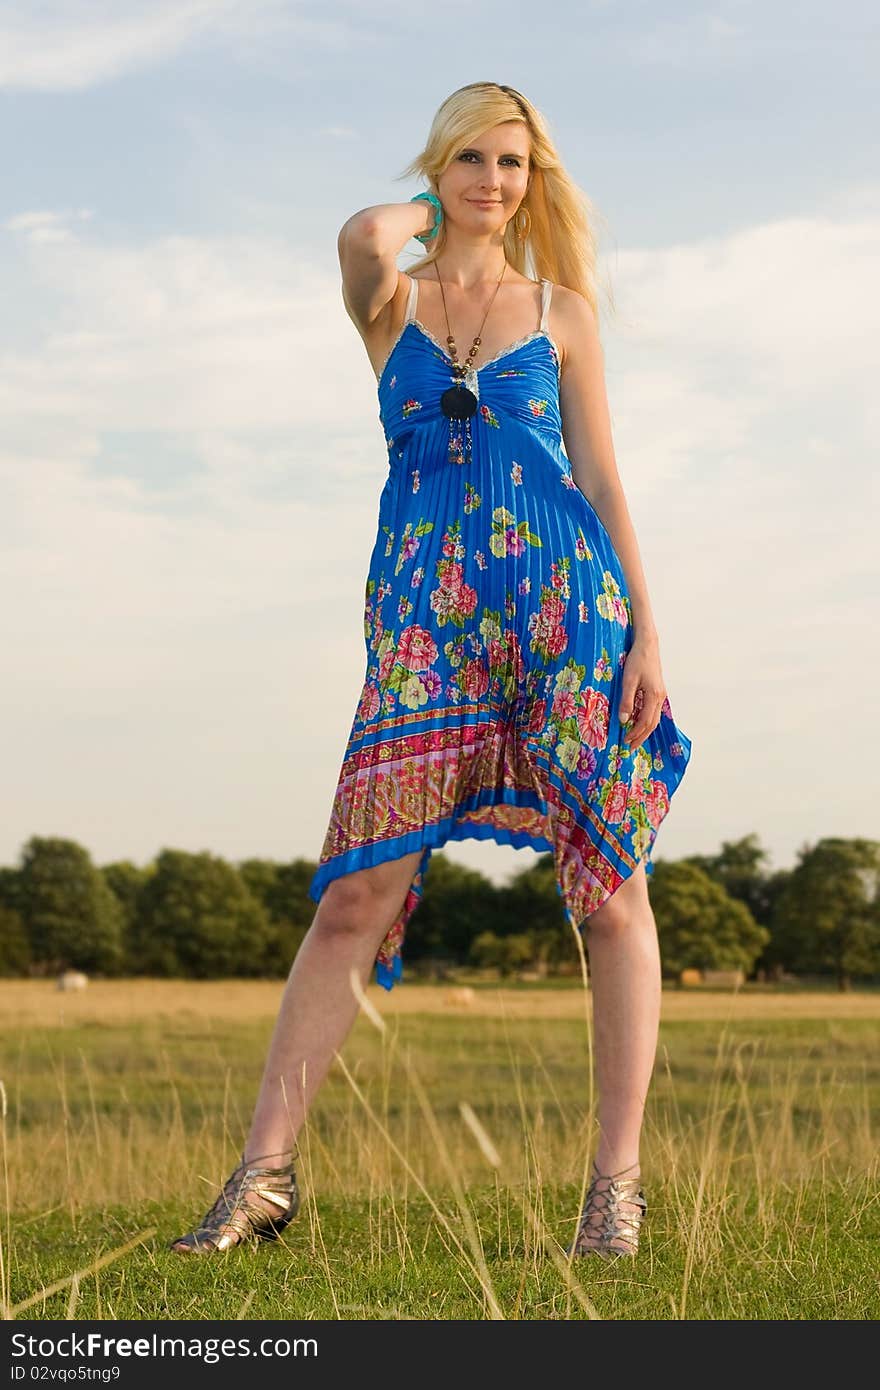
<point>199,916</point>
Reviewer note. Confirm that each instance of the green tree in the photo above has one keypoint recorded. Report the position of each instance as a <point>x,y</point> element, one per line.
<point>506,954</point>
<point>15,951</point>
<point>126,881</point>
<point>457,904</point>
<point>197,918</point>
<point>826,919</point>
<point>10,888</point>
<point>741,867</point>
<point>699,925</point>
<point>71,917</point>
<point>283,892</point>
<point>531,902</point>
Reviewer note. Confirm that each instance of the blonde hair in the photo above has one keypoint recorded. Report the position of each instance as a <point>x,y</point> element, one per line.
<point>561,239</point>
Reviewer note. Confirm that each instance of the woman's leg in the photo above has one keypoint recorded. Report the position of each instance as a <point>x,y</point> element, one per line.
<point>318,1006</point>
<point>624,955</point>
<point>317,1010</point>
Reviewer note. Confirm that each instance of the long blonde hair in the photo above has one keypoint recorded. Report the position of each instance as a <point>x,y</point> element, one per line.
<point>561,240</point>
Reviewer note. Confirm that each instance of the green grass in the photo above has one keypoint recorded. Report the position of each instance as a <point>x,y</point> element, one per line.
<point>759,1162</point>
<point>808,1255</point>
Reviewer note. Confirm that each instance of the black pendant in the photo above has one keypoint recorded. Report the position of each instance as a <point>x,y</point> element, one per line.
<point>458,403</point>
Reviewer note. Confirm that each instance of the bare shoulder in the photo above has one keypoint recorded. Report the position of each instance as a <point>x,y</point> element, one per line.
<point>573,324</point>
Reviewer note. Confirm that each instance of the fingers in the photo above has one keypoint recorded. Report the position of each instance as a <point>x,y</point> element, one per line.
<point>629,695</point>
<point>646,716</point>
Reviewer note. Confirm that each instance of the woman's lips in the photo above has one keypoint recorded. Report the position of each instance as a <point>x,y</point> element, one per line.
<point>486,202</point>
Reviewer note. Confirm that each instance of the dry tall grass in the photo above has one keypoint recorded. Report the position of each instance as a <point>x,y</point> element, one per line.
<point>37,1003</point>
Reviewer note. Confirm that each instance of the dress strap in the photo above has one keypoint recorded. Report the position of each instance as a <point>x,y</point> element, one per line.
<point>546,292</point>
<point>413,297</point>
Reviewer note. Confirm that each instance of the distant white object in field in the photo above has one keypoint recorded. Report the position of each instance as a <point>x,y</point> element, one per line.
<point>72,979</point>
<point>461,995</point>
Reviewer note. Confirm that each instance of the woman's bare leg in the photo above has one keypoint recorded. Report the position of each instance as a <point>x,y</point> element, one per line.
<point>318,1006</point>
<point>624,955</point>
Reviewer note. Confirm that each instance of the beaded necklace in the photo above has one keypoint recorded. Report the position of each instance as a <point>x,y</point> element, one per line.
<point>458,402</point>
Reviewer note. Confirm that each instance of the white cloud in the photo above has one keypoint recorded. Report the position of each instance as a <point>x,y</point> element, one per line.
<point>227,335</point>
<point>69,45</point>
<point>40,219</point>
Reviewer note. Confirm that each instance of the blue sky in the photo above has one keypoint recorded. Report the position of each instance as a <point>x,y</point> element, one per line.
<point>189,428</point>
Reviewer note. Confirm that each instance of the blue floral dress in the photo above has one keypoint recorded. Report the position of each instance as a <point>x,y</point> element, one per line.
<point>497,624</point>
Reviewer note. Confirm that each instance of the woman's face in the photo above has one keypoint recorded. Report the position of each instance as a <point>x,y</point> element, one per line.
<point>486,180</point>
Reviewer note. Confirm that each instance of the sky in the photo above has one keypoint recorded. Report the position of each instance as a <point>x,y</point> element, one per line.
<point>190,451</point>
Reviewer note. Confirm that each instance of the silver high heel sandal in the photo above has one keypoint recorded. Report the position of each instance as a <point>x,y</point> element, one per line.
<point>235,1218</point>
<point>615,1224</point>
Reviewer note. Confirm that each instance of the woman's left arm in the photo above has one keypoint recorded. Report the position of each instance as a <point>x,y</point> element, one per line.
<point>586,433</point>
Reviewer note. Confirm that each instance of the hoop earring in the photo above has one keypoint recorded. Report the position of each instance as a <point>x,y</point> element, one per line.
<point>522,229</point>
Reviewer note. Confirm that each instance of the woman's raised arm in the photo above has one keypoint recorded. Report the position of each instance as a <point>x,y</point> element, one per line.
<point>368,246</point>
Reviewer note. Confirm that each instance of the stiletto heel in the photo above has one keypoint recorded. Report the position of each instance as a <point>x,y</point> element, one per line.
<point>615,1224</point>
<point>235,1218</point>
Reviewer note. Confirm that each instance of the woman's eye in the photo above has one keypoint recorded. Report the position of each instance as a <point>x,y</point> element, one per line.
<point>470,154</point>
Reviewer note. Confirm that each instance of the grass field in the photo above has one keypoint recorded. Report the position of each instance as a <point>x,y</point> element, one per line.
<point>443,1163</point>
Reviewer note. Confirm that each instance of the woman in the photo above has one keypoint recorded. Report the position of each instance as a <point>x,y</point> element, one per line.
<point>513,687</point>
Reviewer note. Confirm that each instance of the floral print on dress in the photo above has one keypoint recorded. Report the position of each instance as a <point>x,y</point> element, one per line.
<point>411,540</point>
<point>472,498</point>
<point>559,571</point>
<point>509,537</point>
<point>452,601</point>
<point>603,671</point>
<point>612,603</point>
<point>409,671</point>
<point>549,637</point>
<point>581,548</point>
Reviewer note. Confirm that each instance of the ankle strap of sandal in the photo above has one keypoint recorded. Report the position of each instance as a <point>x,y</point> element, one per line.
<point>253,1162</point>
<point>614,1175</point>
